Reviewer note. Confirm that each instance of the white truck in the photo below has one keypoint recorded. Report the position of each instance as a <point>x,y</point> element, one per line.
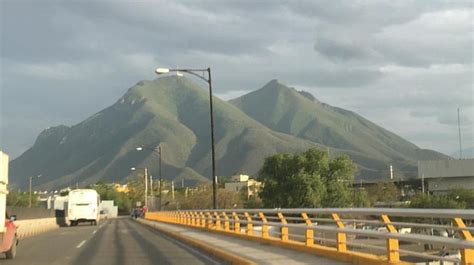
<point>8,237</point>
<point>83,206</point>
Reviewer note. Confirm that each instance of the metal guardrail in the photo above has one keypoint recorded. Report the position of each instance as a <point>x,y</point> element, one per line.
<point>319,229</point>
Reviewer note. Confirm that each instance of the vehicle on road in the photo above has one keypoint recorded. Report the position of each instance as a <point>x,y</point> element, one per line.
<point>8,236</point>
<point>83,206</point>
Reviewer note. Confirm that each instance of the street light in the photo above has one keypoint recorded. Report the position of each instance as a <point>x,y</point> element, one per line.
<point>157,150</point>
<point>146,183</point>
<point>31,179</point>
<point>195,72</point>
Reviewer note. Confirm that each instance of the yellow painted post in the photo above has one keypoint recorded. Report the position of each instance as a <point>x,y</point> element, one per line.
<point>467,254</point>
<point>226,222</point>
<point>203,219</point>
<point>193,219</point>
<point>249,224</point>
<point>209,220</point>
<point>392,243</point>
<point>236,223</point>
<point>284,228</point>
<point>341,237</point>
<point>309,232</point>
<point>264,226</point>
<point>218,221</point>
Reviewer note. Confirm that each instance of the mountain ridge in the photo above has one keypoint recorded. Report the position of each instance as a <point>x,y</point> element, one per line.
<point>175,112</point>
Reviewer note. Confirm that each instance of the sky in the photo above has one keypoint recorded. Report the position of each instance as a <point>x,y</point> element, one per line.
<point>405,65</point>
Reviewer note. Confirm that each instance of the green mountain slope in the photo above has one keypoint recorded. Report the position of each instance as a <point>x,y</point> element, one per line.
<point>170,110</point>
<point>288,111</point>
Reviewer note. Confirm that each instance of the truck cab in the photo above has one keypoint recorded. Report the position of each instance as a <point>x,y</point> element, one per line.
<point>8,236</point>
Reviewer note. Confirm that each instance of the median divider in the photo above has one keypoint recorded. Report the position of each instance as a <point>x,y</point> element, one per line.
<point>26,228</point>
<point>228,257</point>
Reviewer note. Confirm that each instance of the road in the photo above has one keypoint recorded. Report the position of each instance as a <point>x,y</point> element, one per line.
<point>120,241</point>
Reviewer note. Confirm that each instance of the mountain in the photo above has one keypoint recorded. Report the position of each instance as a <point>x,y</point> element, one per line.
<point>300,114</point>
<point>169,110</point>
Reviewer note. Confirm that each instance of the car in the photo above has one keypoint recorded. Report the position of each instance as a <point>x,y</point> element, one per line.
<point>9,238</point>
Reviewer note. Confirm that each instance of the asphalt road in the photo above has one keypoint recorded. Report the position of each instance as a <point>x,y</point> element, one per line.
<point>120,241</point>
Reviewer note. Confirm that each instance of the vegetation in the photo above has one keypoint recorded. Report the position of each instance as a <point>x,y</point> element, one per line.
<point>171,111</point>
<point>21,199</point>
<point>309,179</point>
<point>108,192</point>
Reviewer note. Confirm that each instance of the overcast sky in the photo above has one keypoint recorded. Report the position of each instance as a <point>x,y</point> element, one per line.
<point>406,65</point>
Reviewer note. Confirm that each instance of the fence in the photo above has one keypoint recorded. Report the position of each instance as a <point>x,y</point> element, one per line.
<point>361,236</point>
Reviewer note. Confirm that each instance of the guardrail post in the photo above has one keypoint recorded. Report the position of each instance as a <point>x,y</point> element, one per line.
<point>264,226</point>
<point>392,244</point>
<point>236,223</point>
<point>193,218</point>
<point>180,217</point>
<point>249,224</point>
<point>467,255</point>
<point>341,237</point>
<point>218,221</point>
<point>309,232</point>
<point>284,228</point>
<point>209,220</point>
<point>202,219</point>
<point>226,222</point>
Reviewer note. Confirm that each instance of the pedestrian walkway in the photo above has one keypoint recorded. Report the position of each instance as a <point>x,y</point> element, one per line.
<point>257,252</point>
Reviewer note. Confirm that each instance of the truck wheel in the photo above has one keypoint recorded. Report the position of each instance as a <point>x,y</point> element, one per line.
<point>11,253</point>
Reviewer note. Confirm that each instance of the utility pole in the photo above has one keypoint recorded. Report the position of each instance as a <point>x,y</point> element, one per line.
<point>161,177</point>
<point>172,189</point>
<point>423,183</point>
<point>31,180</point>
<point>459,130</point>
<point>146,187</point>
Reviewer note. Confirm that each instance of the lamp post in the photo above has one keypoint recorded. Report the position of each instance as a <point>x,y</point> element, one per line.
<point>31,180</point>
<point>146,184</point>
<point>158,150</point>
<point>195,72</point>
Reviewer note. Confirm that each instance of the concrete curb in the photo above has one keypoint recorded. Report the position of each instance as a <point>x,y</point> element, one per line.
<point>228,257</point>
<point>26,228</point>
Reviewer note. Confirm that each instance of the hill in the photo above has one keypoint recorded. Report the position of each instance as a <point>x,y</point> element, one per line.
<point>169,110</point>
<point>300,114</point>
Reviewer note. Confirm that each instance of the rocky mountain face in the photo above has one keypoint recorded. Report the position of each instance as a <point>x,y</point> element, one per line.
<point>174,112</point>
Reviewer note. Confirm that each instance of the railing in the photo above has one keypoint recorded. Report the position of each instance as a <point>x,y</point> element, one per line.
<point>359,235</point>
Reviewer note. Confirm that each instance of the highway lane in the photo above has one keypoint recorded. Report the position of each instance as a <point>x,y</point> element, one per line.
<point>120,241</point>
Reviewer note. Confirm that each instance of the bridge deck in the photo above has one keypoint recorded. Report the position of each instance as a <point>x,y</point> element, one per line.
<point>254,251</point>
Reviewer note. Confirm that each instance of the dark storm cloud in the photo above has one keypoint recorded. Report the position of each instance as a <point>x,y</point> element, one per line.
<point>65,60</point>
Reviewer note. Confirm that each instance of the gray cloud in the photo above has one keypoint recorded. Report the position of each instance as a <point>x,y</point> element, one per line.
<point>408,60</point>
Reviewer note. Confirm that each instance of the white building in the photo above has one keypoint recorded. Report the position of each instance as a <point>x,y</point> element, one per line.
<point>445,175</point>
<point>243,182</point>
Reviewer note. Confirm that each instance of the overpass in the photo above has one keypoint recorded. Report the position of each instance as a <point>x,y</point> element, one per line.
<point>259,236</point>
<point>357,236</point>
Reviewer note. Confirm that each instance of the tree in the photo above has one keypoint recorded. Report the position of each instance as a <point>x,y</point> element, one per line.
<point>383,192</point>
<point>309,179</point>
<point>21,199</point>
<point>422,200</point>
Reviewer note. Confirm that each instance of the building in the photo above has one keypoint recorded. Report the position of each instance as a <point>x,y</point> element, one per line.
<point>445,175</point>
<point>243,182</point>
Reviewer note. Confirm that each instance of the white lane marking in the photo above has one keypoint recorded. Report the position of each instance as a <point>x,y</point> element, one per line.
<point>190,249</point>
<point>95,231</point>
<point>81,244</point>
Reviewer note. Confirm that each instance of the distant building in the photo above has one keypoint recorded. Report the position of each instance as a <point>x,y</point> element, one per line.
<point>445,175</point>
<point>121,188</point>
<point>243,182</point>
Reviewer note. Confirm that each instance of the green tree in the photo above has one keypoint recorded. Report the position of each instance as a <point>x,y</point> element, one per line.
<point>383,192</point>
<point>21,199</point>
<point>422,200</point>
<point>360,198</point>
<point>309,179</point>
